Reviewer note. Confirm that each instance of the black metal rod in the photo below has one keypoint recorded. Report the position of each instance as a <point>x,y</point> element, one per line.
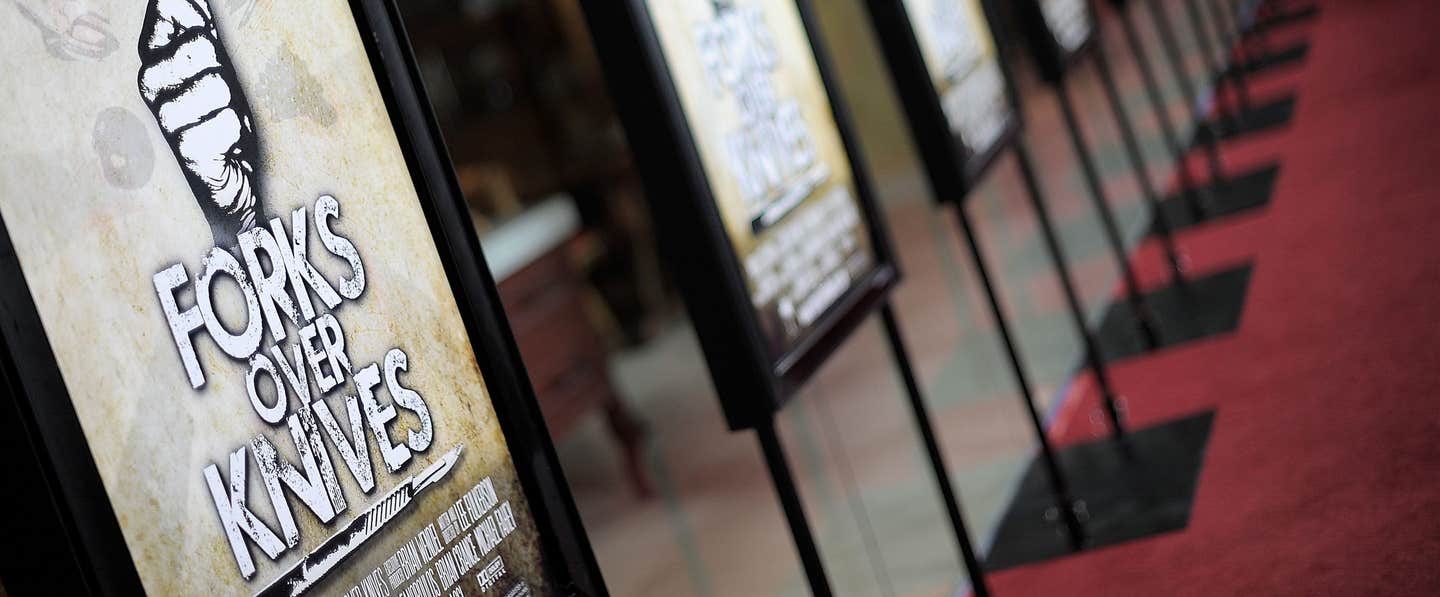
<point>1134,295</point>
<point>1218,71</point>
<point>1247,16</point>
<point>1200,31</point>
<point>1206,130</point>
<point>1236,52</point>
<point>1170,42</point>
<point>1138,164</point>
<point>948,494</point>
<point>1230,13</point>
<point>1072,296</point>
<point>1196,199</point>
<point>1064,499</point>
<point>794,510</point>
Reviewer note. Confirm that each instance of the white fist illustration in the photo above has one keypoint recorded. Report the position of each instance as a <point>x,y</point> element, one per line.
<point>188,82</point>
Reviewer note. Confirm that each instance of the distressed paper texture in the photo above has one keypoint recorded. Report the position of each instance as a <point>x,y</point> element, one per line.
<point>96,204</point>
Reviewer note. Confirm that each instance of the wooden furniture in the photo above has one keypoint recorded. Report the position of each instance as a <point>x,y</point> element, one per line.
<point>548,302</point>
<point>524,112</point>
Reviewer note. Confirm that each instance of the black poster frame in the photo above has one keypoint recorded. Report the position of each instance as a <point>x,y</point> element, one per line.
<point>1050,56</point>
<point>952,169</point>
<point>751,381</point>
<point>79,544</point>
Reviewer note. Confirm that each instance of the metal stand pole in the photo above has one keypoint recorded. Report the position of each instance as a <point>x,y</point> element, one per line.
<point>1188,188</point>
<point>1200,30</point>
<point>1072,297</point>
<point>794,510</point>
<point>971,561</point>
<point>1137,163</point>
<point>1247,15</point>
<point>1065,501</point>
<point>1241,15</point>
<point>1170,42</point>
<point>1202,35</point>
<point>1208,135</point>
<point>1144,319</point>
<point>1236,52</point>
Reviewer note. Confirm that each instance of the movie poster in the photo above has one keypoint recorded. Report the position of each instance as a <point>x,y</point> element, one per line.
<point>771,149</point>
<point>960,55</point>
<point>241,290</point>
<point>1068,21</point>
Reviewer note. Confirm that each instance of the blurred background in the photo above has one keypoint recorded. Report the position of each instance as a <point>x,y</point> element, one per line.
<point>674,504</point>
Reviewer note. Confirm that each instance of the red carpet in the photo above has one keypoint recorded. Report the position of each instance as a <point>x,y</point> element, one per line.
<point>1323,471</point>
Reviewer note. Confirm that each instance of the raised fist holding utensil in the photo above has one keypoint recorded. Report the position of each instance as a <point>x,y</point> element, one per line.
<point>70,28</point>
<point>187,80</point>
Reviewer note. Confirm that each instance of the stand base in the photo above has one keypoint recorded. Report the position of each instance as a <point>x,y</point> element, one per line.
<point>1288,56</point>
<point>1258,118</point>
<point>1209,305</point>
<point>1243,192</point>
<point>1280,19</point>
<point>1126,495</point>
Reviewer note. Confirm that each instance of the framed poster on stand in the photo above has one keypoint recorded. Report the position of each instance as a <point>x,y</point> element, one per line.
<point>760,195</point>
<point>921,38</point>
<point>763,205</point>
<point>250,344</point>
<point>1152,318</point>
<point>1135,483</point>
<point>1060,31</point>
<point>948,70</point>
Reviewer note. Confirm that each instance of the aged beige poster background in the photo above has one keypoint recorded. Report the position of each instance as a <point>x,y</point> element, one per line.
<point>768,141</point>
<point>96,204</point>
